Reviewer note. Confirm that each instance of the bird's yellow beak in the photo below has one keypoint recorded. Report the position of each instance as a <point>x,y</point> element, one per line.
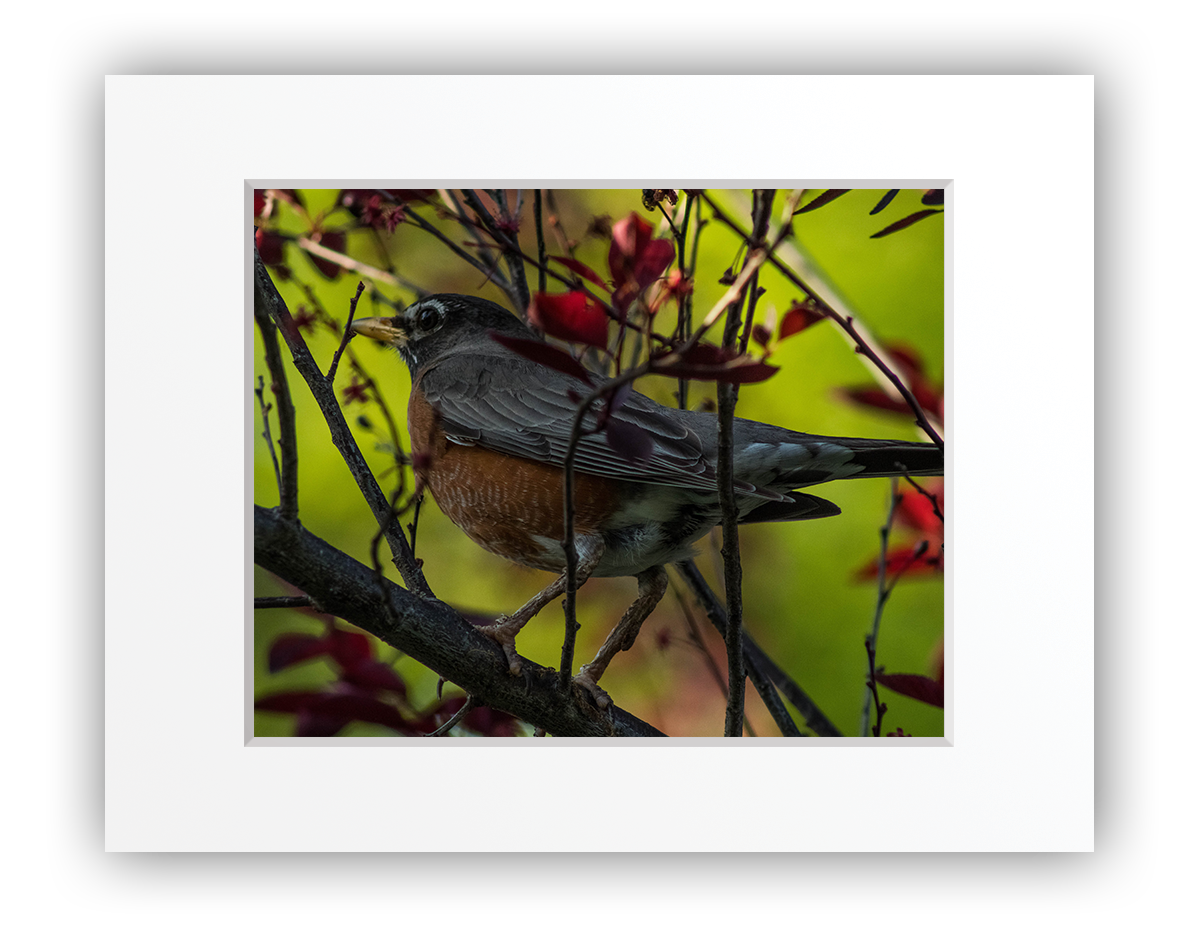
<point>381,329</point>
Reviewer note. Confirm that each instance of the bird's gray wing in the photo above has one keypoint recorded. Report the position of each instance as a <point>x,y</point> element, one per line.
<point>514,406</point>
<point>527,410</point>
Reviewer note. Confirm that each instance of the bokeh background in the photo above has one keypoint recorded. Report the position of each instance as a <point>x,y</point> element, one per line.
<point>805,602</point>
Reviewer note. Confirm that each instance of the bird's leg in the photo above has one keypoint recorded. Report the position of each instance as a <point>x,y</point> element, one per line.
<point>590,551</point>
<point>651,586</point>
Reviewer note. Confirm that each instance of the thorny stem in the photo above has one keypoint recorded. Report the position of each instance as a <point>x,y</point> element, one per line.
<point>871,689</point>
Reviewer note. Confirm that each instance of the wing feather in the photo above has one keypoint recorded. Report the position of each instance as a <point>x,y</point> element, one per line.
<point>534,420</point>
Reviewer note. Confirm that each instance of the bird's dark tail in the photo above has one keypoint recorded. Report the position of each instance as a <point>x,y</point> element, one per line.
<point>894,458</point>
<point>809,459</point>
<point>797,506</point>
<point>831,458</point>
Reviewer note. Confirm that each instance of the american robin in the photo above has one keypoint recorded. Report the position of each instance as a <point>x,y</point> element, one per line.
<point>490,428</point>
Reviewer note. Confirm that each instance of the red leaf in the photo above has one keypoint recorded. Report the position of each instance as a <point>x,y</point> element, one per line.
<point>290,648</point>
<point>919,687</point>
<point>635,259</point>
<point>350,649</point>
<point>334,241</point>
<point>374,676</point>
<point>322,714</point>
<point>490,722</point>
<point>876,398</point>
<point>909,365</point>
<point>544,354</point>
<point>797,319</point>
<point>270,247</point>
<point>582,270</point>
<point>752,371</point>
<point>907,561</point>
<point>917,511</point>
<point>652,261</point>
<point>628,238</point>
<point>704,353</point>
<point>707,362</point>
<point>570,316</point>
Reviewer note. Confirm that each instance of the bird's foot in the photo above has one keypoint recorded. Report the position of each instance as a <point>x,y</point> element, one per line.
<point>504,633</point>
<point>588,680</point>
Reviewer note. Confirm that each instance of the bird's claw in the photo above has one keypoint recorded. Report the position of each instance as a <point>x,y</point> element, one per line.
<point>588,681</point>
<point>506,638</point>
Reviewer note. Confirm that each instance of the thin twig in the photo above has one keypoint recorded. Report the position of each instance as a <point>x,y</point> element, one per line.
<point>517,287</point>
<point>453,721</point>
<point>871,641</point>
<point>472,228</point>
<point>871,692</point>
<point>348,263</point>
<point>347,333</point>
<point>926,494</point>
<point>515,263</point>
<point>380,400</point>
<point>686,303</point>
<point>270,445</point>
<point>536,211</point>
<point>269,324</point>
<point>490,272</point>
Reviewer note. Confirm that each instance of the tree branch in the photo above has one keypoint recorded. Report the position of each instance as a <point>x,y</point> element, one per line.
<point>428,630</point>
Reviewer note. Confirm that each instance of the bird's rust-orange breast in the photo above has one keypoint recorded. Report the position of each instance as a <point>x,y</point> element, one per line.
<point>504,503</point>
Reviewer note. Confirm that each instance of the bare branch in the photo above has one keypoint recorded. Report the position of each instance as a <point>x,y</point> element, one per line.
<point>429,631</point>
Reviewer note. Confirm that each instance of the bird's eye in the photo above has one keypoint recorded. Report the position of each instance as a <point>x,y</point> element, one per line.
<point>428,318</point>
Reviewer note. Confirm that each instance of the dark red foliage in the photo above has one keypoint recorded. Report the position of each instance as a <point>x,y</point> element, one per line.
<point>906,222</point>
<point>800,316</point>
<point>636,259</point>
<point>270,247</point>
<point>822,200</point>
<point>572,316</point>
<point>544,354</point>
<point>923,555</point>
<point>909,365</point>
<point>581,269</point>
<point>919,687</point>
<point>708,362</point>
<point>334,241</point>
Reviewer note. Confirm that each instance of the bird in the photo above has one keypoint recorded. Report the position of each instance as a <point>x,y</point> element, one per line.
<point>490,430</point>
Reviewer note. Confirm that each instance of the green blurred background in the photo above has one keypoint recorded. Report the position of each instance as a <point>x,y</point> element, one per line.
<point>803,604</point>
